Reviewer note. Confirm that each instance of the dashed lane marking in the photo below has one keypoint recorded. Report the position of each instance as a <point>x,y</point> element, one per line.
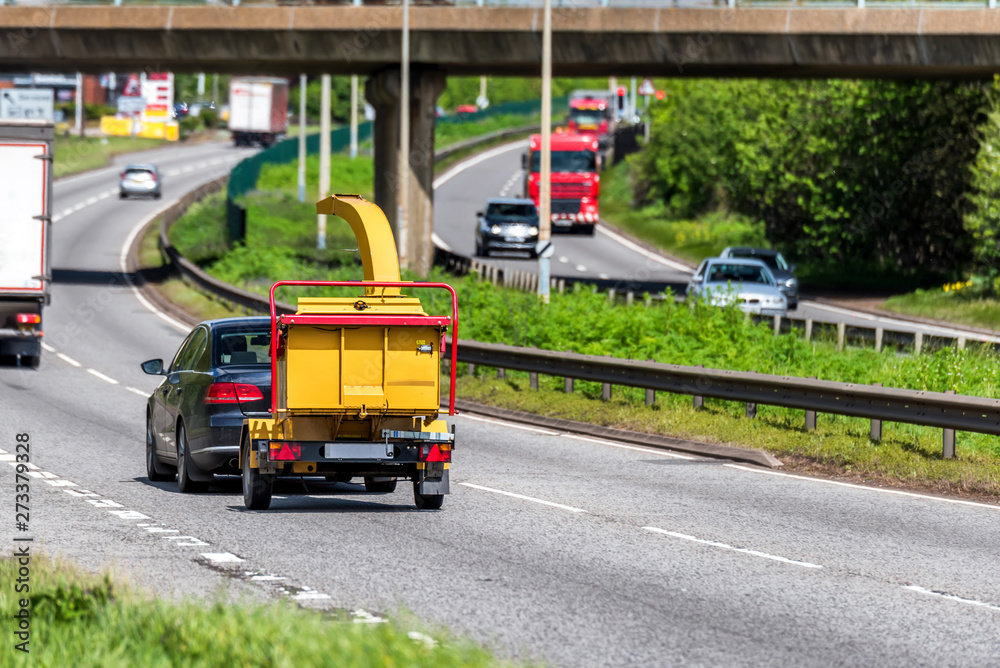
<point>523,497</point>
<point>133,390</point>
<point>951,597</point>
<point>742,550</point>
<point>106,379</point>
<point>222,557</point>
<point>69,360</point>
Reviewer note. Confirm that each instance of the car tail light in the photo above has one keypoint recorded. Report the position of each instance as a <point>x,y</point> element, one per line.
<point>28,319</point>
<point>122,175</point>
<point>221,393</point>
<point>247,392</point>
<point>435,452</point>
<point>155,179</point>
<point>279,451</point>
<point>603,127</point>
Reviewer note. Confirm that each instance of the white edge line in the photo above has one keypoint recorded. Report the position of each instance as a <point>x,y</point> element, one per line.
<point>524,498</point>
<point>628,447</point>
<point>47,348</point>
<point>439,242</point>
<point>951,597</point>
<point>512,425</point>
<point>133,390</point>
<point>135,290</point>
<point>471,162</point>
<point>69,360</point>
<point>603,229</point>
<point>107,379</point>
<point>755,553</point>
<point>865,487</point>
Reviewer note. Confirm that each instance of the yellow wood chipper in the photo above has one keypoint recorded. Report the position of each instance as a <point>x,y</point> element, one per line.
<point>356,382</point>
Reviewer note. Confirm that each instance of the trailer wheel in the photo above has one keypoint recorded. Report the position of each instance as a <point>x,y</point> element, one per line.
<point>426,501</point>
<point>256,486</point>
<point>379,485</point>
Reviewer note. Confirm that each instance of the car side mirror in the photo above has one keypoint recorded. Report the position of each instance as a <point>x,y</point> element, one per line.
<point>480,214</point>
<point>524,161</point>
<point>153,367</point>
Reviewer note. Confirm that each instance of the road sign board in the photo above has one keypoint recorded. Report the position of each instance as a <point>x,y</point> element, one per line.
<point>544,249</point>
<point>131,105</point>
<point>647,87</point>
<point>35,103</point>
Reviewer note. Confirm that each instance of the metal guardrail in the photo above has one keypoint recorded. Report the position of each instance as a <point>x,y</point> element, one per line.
<point>948,411</point>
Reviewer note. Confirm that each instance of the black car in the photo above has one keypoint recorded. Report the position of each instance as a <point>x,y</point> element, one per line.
<point>783,272</point>
<point>221,373</point>
<point>508,224</point>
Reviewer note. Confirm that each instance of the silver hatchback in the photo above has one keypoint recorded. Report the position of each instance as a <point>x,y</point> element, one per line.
<point>140,181</point>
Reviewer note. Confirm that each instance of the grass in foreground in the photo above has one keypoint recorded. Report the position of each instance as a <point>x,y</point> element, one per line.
<point>74,155</point>
<point>78,619</point>
<point>907,455</point>
<point>952,306</point>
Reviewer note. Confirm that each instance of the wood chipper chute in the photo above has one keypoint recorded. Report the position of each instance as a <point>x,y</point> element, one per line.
<point>356,381</point>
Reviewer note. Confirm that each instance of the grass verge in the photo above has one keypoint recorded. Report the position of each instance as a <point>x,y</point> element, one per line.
<point>952,306</point>
<point>74,154</point>
<point>78,619</point>
<point>907,456</point>
<point>692,240</point>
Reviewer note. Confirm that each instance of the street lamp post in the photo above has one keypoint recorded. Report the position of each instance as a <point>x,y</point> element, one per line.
<point>404,141</point>
<point>544,249</point>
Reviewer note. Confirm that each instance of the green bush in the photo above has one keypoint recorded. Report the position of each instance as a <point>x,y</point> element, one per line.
<point>209,117</point>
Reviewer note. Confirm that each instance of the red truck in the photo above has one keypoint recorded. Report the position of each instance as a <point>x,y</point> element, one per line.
<point>575,181</point>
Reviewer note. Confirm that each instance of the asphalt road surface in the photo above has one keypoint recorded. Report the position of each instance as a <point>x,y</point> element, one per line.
<point>577,551</point>
<point>463,190</point>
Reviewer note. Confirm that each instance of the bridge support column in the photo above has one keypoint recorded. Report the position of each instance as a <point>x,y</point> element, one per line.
<point>382,92</point>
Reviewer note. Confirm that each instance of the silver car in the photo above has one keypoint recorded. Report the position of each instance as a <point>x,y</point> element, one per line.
<point>748,284</point>
<point>140,180</point>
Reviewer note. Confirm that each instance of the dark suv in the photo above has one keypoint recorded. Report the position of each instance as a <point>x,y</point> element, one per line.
<point>508,224</point>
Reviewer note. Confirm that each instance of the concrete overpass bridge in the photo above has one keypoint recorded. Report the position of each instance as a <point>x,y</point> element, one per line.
<point>903,41</point>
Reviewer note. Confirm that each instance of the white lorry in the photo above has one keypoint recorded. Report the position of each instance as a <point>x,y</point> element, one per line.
<point>25,226</point>
<point>258,110</point>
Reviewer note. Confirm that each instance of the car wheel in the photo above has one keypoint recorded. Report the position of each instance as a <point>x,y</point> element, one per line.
<point>256,486</point>
<point>122,195</point>
<point>426,501</point>
<point>31,361</point>
<point>379,485</point>
<point>155,470</point>
<point>157,196</point>
<point>185,467</point>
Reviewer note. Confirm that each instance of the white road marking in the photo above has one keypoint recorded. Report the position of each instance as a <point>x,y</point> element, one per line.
<point>42,474</point>
<point>172,172</point>
<point>129,514</point>
<point>637,448</point>
<point>765,555</point>
<point>60,483</point>
<point>603,276</point>
<point>107,379</point>
<point>864,487</point>
<point>69,360</point>
<point>104,503</point>
<point>161,530</point>
<point>8,458</point>
<point>548,432</point>
<point>47,348</point>
<point>65,212</point>
<point>80,492</point>
<point>56,218</point>
<point>79,206</point>
<point>439,242</point>
<point>581,267</point>
<point>524,498</point>
<point>472,162</point>
<point>123,264</point>
<point>642,251</point>
<point>144,395</point>
<point>365,617</point>
<point>310,596</point>
<point>266,578</point>
<point>950,597</point>
<point>563,259</point>
<point>222,557</point>
<point>106,194</point>
<point>90,200</point>
<point>188,541</point>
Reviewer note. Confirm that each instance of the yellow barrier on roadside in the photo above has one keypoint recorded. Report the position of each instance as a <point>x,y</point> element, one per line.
<point>123,127</point>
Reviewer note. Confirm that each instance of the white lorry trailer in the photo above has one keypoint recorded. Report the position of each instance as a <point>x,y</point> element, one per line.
<point>25,226</point>
<point>258,110</point>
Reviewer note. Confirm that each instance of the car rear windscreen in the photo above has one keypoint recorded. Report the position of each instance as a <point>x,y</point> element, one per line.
<point>512,210</point>
<point>242,347</point>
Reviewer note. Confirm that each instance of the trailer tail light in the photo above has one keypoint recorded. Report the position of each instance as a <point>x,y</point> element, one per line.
<point>279,451</point>
<point>28,319</point>
<point>435,452</point>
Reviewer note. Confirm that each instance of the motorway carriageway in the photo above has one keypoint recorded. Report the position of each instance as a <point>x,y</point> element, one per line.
<point>575,550</point>
<point>463,190</point>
